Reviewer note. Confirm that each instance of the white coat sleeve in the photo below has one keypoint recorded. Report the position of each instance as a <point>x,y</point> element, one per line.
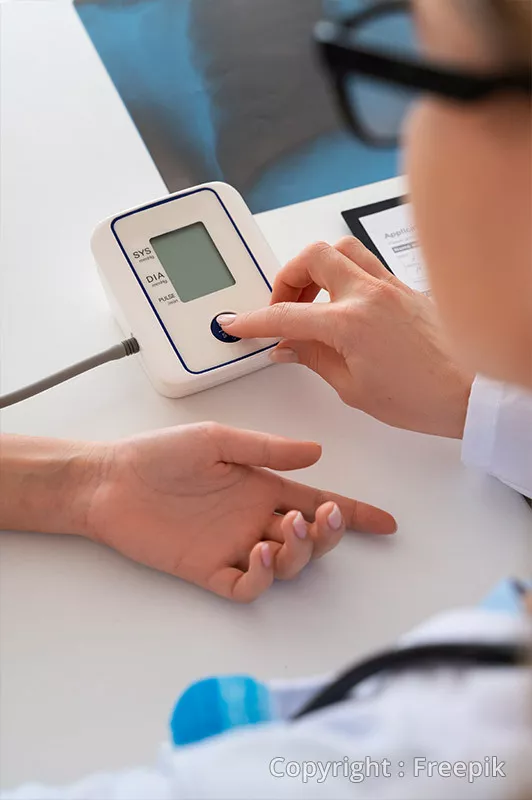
<point>498,433</point>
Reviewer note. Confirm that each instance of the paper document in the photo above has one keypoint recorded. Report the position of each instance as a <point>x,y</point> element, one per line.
<point>394,234</point>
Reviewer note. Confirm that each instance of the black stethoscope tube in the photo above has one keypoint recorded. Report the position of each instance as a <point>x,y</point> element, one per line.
<point>419,657</point>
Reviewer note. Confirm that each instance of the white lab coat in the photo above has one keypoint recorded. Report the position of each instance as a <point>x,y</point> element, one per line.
<point>498,433</point>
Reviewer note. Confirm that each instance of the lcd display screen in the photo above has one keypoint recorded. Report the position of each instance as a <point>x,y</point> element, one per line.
<point>192,262</point>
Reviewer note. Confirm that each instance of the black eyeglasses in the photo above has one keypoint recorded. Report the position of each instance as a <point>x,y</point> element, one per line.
<point>377,69</point>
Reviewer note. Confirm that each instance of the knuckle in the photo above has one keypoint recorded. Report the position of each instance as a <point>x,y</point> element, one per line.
<point>321,498</point>
<point>352,518</point>
<point>280,312</point>
<point>382,293</point>
<point>351,244</point>
<point>244,318</point>
<point>209,429</point>
<point>265,449</point>
<point>353,249</point>
<point>315,250</point>
<point>280,309</point>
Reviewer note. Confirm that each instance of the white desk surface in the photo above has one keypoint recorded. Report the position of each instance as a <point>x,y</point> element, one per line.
<point>95,649</point>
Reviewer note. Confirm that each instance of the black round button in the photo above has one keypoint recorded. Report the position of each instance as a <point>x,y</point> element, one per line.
<point>218,331</point>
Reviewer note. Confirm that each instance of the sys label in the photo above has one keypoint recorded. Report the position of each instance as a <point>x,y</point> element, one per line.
<point>143,255</point>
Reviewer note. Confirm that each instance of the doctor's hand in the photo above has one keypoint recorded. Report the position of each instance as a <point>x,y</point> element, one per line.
<point>377,342</point>
<point>196,501</point>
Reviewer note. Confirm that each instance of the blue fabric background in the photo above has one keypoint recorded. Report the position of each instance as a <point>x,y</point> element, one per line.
<point>188,69</point>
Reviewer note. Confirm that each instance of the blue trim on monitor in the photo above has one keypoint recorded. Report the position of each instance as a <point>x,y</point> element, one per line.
<point>161,323</point>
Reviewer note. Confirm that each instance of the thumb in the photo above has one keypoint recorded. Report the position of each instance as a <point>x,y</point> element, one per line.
<point>321,359</point>
<point>251,448</point>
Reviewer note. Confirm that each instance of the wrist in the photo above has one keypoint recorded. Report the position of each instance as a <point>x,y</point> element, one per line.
<point>48,485</point>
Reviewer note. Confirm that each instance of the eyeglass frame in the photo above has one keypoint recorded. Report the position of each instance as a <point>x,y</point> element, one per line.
<point>342,59</point>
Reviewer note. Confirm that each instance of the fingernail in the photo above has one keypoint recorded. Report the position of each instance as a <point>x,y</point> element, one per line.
<point>300,526</point>
<point>334,520</point>
<point>265,555</point>
<point>284,355</point>
<point>225,319</point>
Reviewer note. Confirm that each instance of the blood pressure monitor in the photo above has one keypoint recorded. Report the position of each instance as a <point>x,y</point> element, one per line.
<point>170,268</point>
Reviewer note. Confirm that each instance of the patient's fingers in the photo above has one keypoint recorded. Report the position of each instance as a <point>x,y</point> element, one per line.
<point>292,545</point>
<point>358,516</point>
<point>264,449</point>
<point>244,586</point>
<point>327,529</point>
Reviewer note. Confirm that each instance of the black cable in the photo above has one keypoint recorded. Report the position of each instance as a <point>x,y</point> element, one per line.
<point>126,348</point>
<point>419,657</point>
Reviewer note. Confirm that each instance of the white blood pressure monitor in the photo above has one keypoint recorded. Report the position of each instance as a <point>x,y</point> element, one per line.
<point>170,268</point>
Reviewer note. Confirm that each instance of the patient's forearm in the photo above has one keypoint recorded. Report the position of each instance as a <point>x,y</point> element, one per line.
<point>46,485</point>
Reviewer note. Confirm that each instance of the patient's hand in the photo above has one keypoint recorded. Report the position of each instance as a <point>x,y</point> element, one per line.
<point>196,502</point>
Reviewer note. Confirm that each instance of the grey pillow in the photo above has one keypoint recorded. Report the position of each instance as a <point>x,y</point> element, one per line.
<point>267,92</point>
